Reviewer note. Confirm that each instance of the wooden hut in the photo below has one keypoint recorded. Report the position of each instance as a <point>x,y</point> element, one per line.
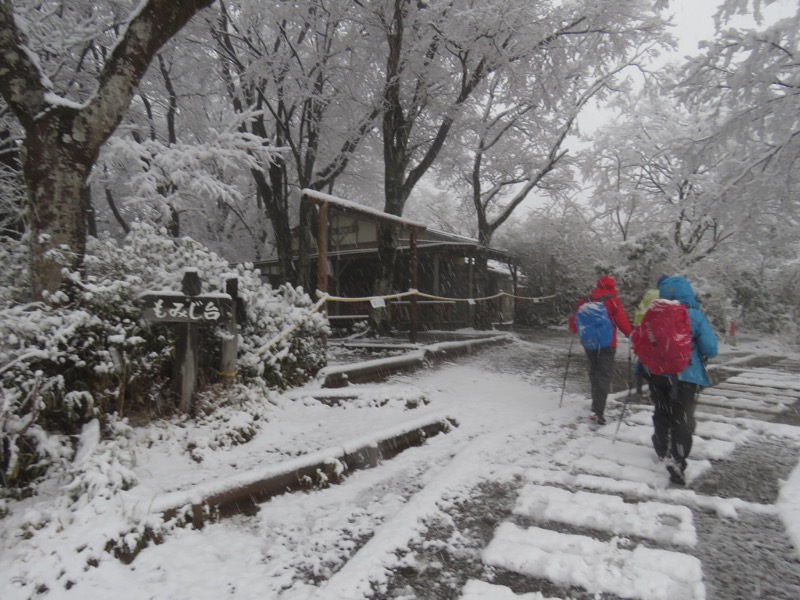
<point>445,266</point>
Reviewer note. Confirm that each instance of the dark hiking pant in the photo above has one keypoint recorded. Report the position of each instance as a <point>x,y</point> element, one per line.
<point>673,418</point>
<point>638,372</point>
<point>601,363</point>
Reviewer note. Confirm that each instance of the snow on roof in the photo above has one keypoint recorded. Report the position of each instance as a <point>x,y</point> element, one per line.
<point>362,209</point>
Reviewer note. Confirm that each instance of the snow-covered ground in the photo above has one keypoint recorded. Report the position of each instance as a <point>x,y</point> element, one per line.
<point>522,500</point>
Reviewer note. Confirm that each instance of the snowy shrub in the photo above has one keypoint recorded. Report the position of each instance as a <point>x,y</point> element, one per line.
<point>81,357</point>
<point>646,258</point>
<point>713,296</point>
<point>101,468</point>
<point>226,418</point>
<point>554,259</point>
<point>759,310</point>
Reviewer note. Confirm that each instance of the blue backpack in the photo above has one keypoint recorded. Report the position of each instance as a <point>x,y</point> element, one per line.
<point>595,328</point>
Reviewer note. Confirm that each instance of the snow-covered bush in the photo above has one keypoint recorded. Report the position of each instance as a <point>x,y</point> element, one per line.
<point>75,359</point>
<point>556,257</point>
<point>645,258</point>
<point>759,308</point>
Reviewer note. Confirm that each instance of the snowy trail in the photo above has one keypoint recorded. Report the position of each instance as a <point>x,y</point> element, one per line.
<point>611,490</point>
<point>379,555</point>
<point>450,483</point>
<point>524,500</point>
<point>598,566</point>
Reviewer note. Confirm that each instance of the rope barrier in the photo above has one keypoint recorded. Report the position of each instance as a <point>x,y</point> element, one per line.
<point>323,298</point>
<point>441,298</point>
<point>370,298</point>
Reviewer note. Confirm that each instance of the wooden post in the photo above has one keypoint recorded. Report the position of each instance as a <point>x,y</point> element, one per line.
<point>412,250</point>
<point>230,347</point>
<point>186,310</point>
<point>322,259</point>
<point>322,249</point>
<point>187,348</point>
<point>512,266</point>
<point>436,274</point>
<point>470,284</point>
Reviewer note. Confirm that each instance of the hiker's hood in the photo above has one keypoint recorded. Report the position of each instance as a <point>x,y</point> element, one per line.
<point>678,288</point>
<point>607,284</point>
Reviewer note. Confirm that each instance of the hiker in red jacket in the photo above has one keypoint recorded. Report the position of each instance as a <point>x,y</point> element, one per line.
<point>598,335</point>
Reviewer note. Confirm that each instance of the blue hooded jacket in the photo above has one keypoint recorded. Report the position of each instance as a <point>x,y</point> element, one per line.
<point>704,342</point>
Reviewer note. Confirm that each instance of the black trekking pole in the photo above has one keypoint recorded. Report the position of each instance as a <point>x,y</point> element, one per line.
<point>628,399</point>
<point>569,357</point>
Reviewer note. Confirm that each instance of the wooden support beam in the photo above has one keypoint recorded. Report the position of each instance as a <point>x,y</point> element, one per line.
<point>412,335</point>
<point>187,350</point>
<point>230,347</point>
<point>322,248</point>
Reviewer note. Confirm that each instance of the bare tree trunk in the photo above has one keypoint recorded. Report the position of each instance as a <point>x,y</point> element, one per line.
<point>276,209</point>
<point>56,174</point>
<point>62,140</point>
<point>305,234</point>
<point>117,215</point>
<point>379,318</point>
<point>397,125</point>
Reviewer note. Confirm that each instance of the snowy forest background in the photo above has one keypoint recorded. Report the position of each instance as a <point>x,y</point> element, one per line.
<point>142,137</point>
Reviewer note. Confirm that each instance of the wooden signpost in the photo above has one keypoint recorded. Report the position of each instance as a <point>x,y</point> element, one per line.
<point>187,310</point>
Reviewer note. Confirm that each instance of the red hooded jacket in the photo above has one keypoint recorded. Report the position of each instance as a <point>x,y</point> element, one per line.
<point>606,286</point>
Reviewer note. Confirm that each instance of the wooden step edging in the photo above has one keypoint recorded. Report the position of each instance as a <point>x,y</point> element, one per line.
<point>375,370</point>
<point>241,494</point>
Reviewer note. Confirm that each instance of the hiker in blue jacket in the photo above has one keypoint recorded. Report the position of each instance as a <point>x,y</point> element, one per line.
<point>675,396</point>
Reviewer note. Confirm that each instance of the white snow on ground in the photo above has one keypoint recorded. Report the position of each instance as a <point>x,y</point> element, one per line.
<point>342,542</point>
<point>789,507</point>
<point>480,590</point>
<point>665,523</point>
<point>598,566</point>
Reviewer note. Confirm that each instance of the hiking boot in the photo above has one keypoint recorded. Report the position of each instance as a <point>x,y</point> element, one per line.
<point>599,419</point>
<point>676,475</point>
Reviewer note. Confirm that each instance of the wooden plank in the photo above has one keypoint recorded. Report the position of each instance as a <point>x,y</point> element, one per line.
<point>244,498</point>
<point>785,384</point>
<point>741,387</point>
<point>771,398</point>
<point>741,404</point>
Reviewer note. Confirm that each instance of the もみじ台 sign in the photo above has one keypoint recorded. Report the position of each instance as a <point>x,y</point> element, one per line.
<point>178,308</point>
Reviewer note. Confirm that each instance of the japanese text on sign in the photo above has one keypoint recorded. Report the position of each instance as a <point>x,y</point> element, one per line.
<point>186,309</point>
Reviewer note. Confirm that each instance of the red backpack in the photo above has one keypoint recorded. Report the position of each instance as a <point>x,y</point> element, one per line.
<point>662,341</point>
